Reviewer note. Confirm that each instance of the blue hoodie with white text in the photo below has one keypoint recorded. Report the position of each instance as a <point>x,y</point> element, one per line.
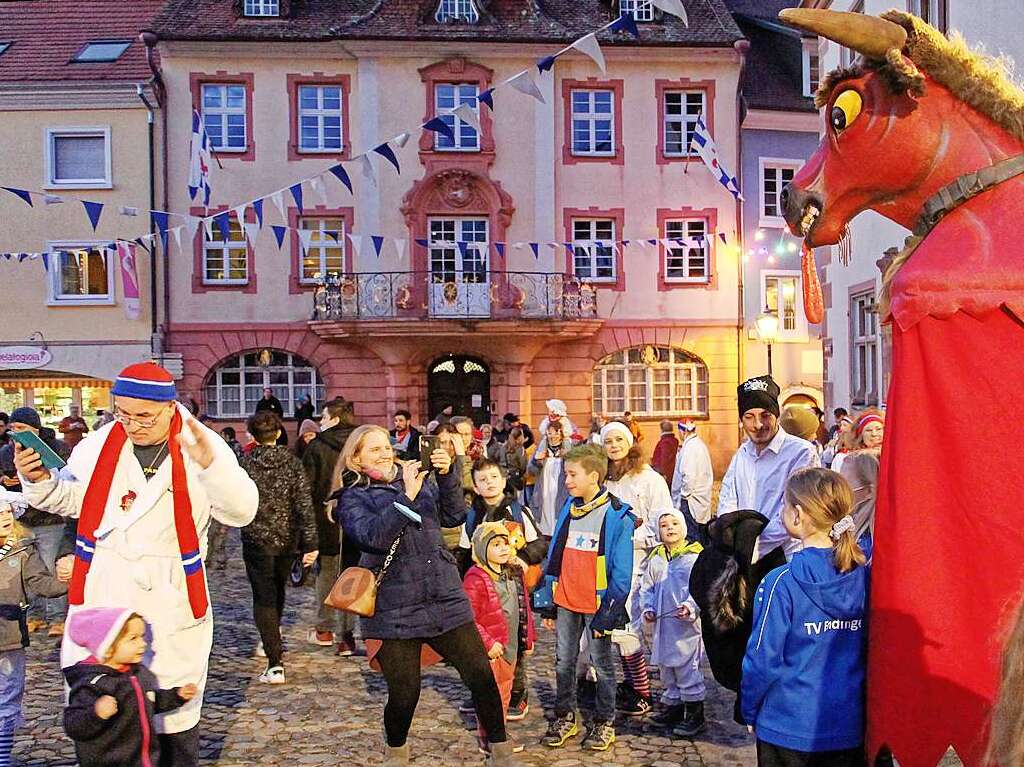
<point>804,669</point>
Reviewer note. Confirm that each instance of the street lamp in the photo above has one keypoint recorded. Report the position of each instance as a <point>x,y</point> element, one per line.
<point>768,330</point>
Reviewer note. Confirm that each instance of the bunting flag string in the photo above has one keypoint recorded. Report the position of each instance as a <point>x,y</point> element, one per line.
<point>201,151</point>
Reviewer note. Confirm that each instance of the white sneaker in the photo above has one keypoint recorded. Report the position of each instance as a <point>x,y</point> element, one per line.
<point>260,652</point>
<point>273,675</point>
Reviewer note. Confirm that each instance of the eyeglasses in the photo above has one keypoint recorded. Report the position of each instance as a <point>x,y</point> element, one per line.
<point>142,423</point>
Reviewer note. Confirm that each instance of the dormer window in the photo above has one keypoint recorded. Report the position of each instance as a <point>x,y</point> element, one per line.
<point>262,8</point>
<point>640,10</point>
<point>457,10</point>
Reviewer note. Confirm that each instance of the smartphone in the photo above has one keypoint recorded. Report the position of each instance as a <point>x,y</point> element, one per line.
<point>428,444</point>
<point>32,441</point>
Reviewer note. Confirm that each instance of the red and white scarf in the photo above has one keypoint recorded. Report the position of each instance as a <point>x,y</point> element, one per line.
<point>95,504</point>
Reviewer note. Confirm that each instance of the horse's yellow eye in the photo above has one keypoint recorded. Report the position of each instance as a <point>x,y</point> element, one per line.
<point>845,110</point>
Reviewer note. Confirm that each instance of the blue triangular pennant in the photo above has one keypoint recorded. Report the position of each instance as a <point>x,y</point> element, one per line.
<point>206,195</point>
<point>160,222</point>
<point>722,237</point>
<point>440,126</point>
<point>422,243</point>
<point>546,63</point>
<point>499,247</point>
<point>46,261</point>
<point>342,175</point>
<point>385,151</point>
<point>223,222</point>
<point>463,249</point>
<point>296,190</point>
<point>22,193</point>
<point>378,243</point>
<point>257,205</point>
<point>652,242</point>
<point>625,23</point>
<point>279,234</point>
<point>535,247</point>
<point>93,211</point>
<point>487,97</point>
<point>569,249</point>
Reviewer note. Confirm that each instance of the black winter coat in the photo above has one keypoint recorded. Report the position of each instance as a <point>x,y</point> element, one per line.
<point>284,522</point>
<point>319,460</point>
<point>119,741</point>
<point>421,594</point>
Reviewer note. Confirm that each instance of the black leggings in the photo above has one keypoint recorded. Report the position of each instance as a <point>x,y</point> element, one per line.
<point>180,749</point>
<point>462,647</point>
<point>769,755</point>
<point>268,574</point>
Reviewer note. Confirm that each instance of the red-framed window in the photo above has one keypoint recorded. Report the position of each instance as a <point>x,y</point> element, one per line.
<point>225,101</point>
<point>219,265</point>
<point>318,116</point>
<point>680,103</point>
<point>328,251</point>
<point>595,254</point>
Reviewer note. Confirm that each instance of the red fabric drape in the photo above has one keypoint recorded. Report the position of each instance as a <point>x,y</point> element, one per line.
<point>949,554</point>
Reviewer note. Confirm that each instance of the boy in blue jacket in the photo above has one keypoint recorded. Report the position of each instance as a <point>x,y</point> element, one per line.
<point>803,673</point>
<point>587,582</point>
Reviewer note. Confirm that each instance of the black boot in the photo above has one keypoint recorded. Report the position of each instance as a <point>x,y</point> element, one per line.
<point>692,722</point>
<point>671,716</point>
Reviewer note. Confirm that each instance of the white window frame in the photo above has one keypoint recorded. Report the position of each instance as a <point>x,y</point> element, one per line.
<point>799,334</point>
<point>320,113</point>
<point>591,116</point>
<point>257,9</point>
<point>457,10</point>
<point>457,123</point>
<point>689,124</point>
<point>774,163</point>
<point>811,67</point>
<point>448,250</point>
<point>935,12</point>
<point>238,365</point>
<point>224,111</point>
<point>325,242</point>
<point>222,247</point>
<point>54,295</point>
<point>705,246</point>
<point>590,245</point>
<point>52,134</point>
<point>632,371</point>
<point>641,10</point>
<point>871,343</point>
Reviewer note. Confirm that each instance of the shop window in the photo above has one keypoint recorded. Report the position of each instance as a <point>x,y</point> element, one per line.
<point>237,385</point>
<point>651,381</point>
<point>80,274</point>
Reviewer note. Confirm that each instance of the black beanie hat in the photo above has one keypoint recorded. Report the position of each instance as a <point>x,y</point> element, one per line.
<point>27,416</point>
<point>760,392</point>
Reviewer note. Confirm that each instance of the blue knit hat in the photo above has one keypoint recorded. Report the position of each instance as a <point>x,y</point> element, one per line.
<point>145,380</point>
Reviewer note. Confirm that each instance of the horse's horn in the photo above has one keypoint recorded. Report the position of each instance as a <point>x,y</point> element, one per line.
<point>868,35</point>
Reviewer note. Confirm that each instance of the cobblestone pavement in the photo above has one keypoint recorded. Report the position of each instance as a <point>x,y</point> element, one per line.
<point>330,711</point>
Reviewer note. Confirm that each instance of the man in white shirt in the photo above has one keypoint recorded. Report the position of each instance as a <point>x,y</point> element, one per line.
<point>692,481</point>
<point>757,476</point>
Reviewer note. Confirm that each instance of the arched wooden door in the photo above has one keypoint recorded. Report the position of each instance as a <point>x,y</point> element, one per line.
<point>462,382</point>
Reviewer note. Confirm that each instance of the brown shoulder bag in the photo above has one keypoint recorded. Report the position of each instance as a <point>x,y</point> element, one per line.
<point>355,591</point>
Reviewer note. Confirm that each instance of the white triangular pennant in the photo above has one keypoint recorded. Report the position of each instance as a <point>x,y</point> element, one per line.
<point>468,114</point>
<point>192,224</point>
<point>368,171</point>
<point>668,244</point>
<point>357,243</point>
<point>675,7</point>
<point>176,231</point>
<point>208,223</point>
<point>252,231</point>
<point>52,199</point>
<point>400,140</point>
<point>400,249</point>
<point>240,213</point>
<point>524,83</point>
<point>278,199</point>
<point>306,237</point>
<point>317,185</point>
<point>589,46</point>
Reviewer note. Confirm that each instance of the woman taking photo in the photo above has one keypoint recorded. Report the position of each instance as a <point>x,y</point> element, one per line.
<point>631,479</point>
<point>420,598</point>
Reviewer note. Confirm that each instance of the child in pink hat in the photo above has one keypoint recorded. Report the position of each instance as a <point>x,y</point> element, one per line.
<point>114,697</point>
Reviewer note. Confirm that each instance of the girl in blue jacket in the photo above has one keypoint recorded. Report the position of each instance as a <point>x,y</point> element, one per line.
<point>803,673</point>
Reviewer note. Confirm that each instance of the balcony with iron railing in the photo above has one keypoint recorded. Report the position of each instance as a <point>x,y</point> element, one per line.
<point>390,303</point>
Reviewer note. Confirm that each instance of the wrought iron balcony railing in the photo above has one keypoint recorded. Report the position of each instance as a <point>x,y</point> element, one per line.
<point>454,295</point>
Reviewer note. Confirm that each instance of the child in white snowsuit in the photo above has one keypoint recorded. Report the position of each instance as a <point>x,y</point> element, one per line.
<point>676,648</point>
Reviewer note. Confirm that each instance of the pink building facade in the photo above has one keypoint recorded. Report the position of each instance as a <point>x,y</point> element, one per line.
<point>453,305</point>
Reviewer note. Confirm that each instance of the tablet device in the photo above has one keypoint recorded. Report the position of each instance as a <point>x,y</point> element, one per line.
<point>32,441</point>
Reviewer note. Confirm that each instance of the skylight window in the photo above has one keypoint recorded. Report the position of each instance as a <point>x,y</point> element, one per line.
<point>4,45</point>
<point>102,50</point>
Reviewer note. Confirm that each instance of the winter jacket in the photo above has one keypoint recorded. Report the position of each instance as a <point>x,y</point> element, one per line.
<point>490,618</point>
<point>614,551</point>
<point>508,510</point>
<point>536,469</point>
<point>127,738</point>
<point>663,460</point>
<point>647,494</point>
<point>421,594</point>
<point>412,450</point>
<point>304,412</point>
<point>804,670</point>
<point>284,522</point>
<point>319,461</point>
<point>273,405</point>
<point>22,576</point>
<point>722,582</point>
<point>665,588</point>
<point>34,517</point>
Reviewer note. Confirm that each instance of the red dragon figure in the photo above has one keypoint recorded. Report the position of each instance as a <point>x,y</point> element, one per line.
<point>931,135</point>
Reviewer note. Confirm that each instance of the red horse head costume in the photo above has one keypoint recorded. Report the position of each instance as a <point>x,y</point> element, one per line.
<point>931,135</point>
